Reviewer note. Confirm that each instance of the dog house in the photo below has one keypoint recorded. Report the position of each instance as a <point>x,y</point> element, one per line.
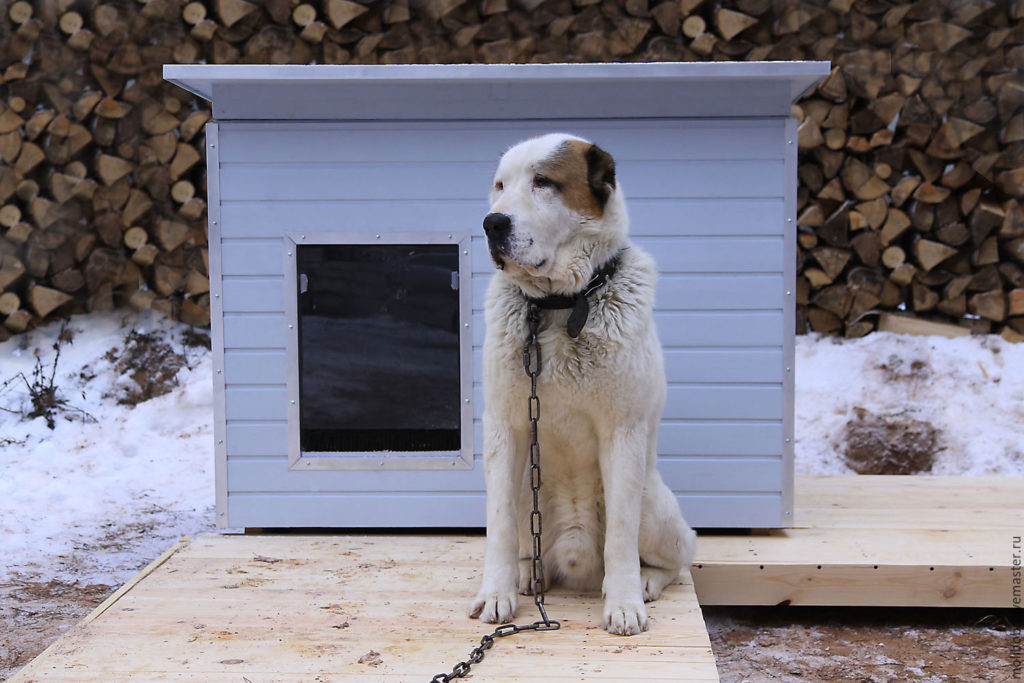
<point>348,268</point>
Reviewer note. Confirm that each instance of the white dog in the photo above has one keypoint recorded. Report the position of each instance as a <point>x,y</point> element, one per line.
<point>557,232</point>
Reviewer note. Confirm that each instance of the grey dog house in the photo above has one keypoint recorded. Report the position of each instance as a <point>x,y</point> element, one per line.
<point>348,268</point>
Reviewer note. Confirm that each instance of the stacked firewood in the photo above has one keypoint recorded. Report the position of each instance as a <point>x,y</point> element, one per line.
<point>912,171</point>
<point>911,152</point>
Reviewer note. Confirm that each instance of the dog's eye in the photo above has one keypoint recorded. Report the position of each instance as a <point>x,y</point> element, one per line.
<point>540,180</point>
<point>499,186</point>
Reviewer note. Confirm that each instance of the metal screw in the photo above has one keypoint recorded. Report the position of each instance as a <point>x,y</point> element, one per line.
<point>216,296</point>
<point>219,371</point>
<point>790,141</point>
<point>308,463</point>
<point>220,441</point>
<point>292,402</point>
<point>467,400</point>
<point>449,236</point>
<point>789,369</point>
<point>788,440</point>
<point>453,463</point>
<point>303,236</point>
<point>789,293</point>
<point>291,327</point>
<point>377,236</point>
<point>789,220</point>
<point>465,325</point>
<point>289,253</point>
<point>381,463</point>
<point>213,222</point>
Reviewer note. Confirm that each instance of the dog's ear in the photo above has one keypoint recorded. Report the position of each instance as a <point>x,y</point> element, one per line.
<point>600,173</point>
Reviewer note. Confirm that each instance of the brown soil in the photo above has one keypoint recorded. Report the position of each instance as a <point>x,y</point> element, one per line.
<point>33,614</point>
<point>866,645</point>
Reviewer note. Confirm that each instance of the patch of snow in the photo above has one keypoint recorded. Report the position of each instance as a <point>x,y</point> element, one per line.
<point>970,388</point>
<point>111,486</point>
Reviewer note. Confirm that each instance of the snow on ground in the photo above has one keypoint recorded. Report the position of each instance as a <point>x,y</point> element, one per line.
<point>111,486</point>
<point>127,480</point>
<point>971,389</point>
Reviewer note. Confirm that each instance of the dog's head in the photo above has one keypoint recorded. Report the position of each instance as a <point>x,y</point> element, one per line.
<point>556,213</point>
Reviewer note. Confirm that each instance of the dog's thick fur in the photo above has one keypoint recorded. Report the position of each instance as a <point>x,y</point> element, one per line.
<point>609,520</point>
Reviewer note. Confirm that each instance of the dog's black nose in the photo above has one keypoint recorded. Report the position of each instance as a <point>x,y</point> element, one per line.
<point>497,226</point>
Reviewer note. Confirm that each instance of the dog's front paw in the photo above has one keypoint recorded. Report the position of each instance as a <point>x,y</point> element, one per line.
<point>494,607</point>
<point>625,617</point>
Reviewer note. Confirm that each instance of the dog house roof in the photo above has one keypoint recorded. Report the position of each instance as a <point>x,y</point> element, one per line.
<point>499,91</point>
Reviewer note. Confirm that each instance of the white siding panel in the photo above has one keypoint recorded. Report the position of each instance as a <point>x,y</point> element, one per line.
<point>727,402</point>
<point>242,294</point>
<point>712,402</point>
<point>408,510</point>
<point>687,254</point>
<point>254,331</point>
<point>725,438</point>
<point>269,438</point>
<point>722,292</point>
<point>261,257</point>
<point>649,217</point>
<point>723,366</point>
<point>247,475</point>
<point>256,403</point>
<point>270,509</point>
<point>722,474</point>
<point>678,292</point>
<point>735,510</point>
<point>705,438</point>
<point>424,142</point>
<point>255,367</point>
<point>712,328</point>
<point>470,180</point>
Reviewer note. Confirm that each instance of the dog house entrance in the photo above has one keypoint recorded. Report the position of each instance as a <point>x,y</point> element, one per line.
<point>380,376</point>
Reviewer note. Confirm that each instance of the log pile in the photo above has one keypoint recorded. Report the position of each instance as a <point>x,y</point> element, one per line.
<point>911,170</point>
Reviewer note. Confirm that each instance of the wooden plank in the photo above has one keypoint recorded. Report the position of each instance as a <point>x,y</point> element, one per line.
<point>306,607</point>
<point>876,540</point>
<point>900,324</point>
<point>892,502</point>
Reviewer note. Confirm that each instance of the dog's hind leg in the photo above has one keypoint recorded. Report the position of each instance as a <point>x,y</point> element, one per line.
<point>667,543</point>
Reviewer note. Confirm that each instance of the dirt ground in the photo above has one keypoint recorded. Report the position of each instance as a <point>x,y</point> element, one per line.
<point>866,645</point>
<point>809,645</point>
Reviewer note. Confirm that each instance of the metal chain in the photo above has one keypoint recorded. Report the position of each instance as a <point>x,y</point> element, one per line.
<point>537,566</point>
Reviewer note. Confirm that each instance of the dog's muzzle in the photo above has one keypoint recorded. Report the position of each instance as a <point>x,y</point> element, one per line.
<point>498,228</point>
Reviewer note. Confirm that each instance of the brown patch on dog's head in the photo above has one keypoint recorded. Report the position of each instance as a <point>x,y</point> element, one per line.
<point>584,175</point>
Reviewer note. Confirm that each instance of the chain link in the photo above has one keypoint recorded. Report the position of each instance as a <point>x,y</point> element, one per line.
<point>532,365</point>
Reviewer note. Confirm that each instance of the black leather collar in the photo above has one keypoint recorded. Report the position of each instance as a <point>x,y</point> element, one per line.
<point>578,301</point>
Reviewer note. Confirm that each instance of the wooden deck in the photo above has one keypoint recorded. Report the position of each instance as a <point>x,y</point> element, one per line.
<point>882,540</point>
<point>373,608</point>
<point>392,607</point>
